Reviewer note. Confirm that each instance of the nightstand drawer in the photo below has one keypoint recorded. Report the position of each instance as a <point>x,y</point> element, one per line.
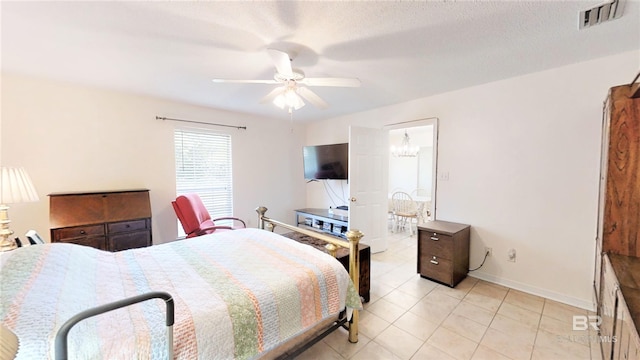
<point>436,268</point>
<point>77,232</point>
<point>437,244</point>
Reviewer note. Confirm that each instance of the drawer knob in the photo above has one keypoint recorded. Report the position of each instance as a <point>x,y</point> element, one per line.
<point>434,238</point>
<point>128,226</point>
<point>434,261</point>
<point>83,232</point>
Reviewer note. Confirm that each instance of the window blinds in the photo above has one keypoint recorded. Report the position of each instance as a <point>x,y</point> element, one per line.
<point>203,166</point>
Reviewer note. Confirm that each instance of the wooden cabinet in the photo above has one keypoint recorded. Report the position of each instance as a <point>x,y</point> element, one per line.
<point>443,251</point>
<point>617,267</point>
<point>634,346</point>
<point>624,330</point>
<point>619,213</point>
<point>607,308</point>
<point>112,220</point>
<point>619,307</point>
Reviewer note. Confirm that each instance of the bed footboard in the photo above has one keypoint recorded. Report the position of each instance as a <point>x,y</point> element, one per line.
<point>353,237</point>
<point>61,336</point>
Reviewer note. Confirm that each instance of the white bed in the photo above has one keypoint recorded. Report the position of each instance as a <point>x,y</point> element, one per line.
<point>238,294</point>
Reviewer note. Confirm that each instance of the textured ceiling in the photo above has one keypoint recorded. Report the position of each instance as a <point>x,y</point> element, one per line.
<point>399,50</point>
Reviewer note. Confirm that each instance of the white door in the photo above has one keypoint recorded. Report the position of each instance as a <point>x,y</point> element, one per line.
<point>368,163</point>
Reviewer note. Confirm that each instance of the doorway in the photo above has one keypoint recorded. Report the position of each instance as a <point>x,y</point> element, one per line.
<point>412,170</point>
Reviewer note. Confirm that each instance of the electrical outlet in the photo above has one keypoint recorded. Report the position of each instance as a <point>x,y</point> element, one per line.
<point>511,255</point>
<point>443,176</point>
<point>488,250</point>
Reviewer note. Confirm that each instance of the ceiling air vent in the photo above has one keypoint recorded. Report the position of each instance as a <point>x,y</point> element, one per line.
<point>601,13</point>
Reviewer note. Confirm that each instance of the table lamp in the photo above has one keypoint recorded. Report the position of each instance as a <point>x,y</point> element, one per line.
<point>15,187</point>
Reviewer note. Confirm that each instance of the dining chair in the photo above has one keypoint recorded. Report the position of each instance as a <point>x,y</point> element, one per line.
<point>424,207</point>
<point>404,210</point>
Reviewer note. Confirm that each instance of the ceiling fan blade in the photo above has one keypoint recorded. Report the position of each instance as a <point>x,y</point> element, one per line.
<point>244,81</point>
<point>312,97</point>
<point>344,82</point>
<point>272,94</point>
<point>282,62</point>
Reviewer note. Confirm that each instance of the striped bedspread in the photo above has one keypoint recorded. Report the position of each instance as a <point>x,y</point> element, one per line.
<point>237,294</point>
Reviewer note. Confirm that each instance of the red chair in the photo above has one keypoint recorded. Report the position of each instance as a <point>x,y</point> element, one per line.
<point>195,218</point>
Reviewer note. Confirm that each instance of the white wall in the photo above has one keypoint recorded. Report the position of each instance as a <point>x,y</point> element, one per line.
<point>523,157</point>
<point>77,138</point>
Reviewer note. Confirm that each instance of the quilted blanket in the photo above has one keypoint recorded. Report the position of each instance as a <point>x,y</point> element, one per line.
<point>237,294</point>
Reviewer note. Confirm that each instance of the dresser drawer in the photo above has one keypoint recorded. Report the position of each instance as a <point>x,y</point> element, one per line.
<point>98,242</point>
<point>129,240</point>
<point>77,232</point>
<point>437,244</point>
<point>436,268</point>
<point>127,226</point>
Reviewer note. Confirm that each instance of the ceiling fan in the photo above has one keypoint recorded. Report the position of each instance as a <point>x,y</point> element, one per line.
<point>291,93</point>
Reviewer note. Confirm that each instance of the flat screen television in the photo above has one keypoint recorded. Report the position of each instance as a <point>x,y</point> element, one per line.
<point>326,162</point>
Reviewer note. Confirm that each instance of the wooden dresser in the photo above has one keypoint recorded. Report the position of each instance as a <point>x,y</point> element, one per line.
<point>443,251</point>
<point>109,220</point>
<point>617,267</point>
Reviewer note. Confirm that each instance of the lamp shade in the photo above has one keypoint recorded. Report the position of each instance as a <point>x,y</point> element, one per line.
<point>16,186</point>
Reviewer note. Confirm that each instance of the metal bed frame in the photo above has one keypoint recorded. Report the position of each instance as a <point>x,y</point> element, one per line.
<point>61,336</point>
<point>353,237</point>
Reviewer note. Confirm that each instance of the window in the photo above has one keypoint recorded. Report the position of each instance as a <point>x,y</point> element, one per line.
<point>203,166</point>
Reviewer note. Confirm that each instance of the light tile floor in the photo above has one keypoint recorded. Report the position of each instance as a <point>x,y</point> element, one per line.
<point>410,317</point>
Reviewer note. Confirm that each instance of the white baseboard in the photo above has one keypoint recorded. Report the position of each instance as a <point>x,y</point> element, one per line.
<point>569,300</point>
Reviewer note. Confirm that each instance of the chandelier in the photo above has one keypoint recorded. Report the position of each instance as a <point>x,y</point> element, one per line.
<point>405,150</point>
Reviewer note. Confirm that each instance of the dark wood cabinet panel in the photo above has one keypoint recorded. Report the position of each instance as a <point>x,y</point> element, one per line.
<point>113,221</point>
<point>127,205</point>
<point>621,228</point>
<point>443,251</point>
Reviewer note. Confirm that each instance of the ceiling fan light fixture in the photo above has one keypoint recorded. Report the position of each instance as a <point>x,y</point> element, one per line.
<point>289,99</point>
<point>289,96</point>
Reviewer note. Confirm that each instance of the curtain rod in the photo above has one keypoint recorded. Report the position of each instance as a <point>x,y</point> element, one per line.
<point>201,122</point>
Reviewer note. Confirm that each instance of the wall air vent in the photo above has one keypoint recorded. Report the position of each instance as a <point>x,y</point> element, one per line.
<point>601,13</point>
